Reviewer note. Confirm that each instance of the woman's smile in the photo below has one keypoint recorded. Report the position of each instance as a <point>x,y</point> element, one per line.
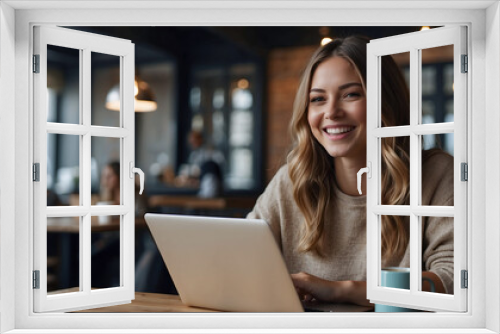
<point>338,132</point>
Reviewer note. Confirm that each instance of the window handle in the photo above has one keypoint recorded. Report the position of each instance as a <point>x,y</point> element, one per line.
<point>135,170</point>
<point>368,171</point>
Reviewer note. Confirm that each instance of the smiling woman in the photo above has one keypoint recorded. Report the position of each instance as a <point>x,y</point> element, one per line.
<point>312,204</point>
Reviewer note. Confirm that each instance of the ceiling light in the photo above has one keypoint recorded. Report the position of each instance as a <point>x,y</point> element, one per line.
<point>144,99</point>
<point>326,40</point>
<point>243,84</point>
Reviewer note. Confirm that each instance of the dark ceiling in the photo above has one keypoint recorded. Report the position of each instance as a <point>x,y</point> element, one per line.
<point>201,44</point>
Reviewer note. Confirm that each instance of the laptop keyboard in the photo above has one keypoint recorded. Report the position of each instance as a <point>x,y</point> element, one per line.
<point>332,307</point>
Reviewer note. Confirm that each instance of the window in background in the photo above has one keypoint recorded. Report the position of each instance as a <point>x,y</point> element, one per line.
<point>223,104</point>
<point>156,132</point>
<point>241,155</point>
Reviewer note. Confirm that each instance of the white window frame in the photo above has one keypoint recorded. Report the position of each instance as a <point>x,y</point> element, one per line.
<point>413,43</point>
<point>483,21</point>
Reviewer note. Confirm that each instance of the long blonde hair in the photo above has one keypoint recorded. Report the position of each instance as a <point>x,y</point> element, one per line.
<point>311,168</point>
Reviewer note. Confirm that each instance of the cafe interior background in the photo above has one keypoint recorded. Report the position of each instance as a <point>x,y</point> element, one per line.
<point>235,86</point>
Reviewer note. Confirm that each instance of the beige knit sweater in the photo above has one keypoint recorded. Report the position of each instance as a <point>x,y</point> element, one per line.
<point>345,231</point>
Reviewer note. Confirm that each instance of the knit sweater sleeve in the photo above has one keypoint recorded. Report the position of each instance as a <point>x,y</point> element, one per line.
<point>274,202</point>
<point>438,249</point>
<point>438,232</point>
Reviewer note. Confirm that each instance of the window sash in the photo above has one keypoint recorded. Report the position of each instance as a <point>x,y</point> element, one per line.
<point>86,43</point>
<point>412,43</point>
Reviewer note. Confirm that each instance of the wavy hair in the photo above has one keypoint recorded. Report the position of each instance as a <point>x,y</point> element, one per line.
<point>311,168</point>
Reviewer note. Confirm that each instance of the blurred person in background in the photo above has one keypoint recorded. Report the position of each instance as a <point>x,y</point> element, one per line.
<point>110,183</point>
<point>204,168</point>
<point>110,188</point>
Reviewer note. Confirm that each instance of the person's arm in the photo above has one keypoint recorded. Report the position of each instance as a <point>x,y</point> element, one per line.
<point>438,232</point>
<point>437,257</point>
<point>310,287</point>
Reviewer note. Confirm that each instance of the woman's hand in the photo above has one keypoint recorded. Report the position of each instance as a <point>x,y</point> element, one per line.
<point>310,288</point>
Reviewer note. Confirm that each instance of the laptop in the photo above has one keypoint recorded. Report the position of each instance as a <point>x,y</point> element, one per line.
<point>228,264</point>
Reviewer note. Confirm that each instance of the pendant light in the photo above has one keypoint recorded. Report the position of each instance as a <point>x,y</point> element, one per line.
<point>144,98</point>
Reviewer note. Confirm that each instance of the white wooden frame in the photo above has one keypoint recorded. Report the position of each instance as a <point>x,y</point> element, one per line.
<point>86,43</point>
<point>482,17</point>
<point>413,43</point>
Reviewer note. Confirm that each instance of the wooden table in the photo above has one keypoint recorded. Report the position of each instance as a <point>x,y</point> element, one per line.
<point>72,224</point>
<point>162,303</point>
<point>194,202</point>
<point>150,302</point>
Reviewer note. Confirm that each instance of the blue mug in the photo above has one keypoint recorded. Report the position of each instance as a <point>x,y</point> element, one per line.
<point>395,277</point>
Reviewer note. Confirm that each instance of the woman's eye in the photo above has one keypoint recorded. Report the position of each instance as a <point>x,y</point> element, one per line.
<point>317,99</point>
<point>352,95</point>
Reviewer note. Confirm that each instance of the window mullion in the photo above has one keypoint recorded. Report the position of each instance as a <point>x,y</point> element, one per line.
<point>67,129</point>
<point>85,253</point>
<point>435,128</point>
<point>85,100</point>
<point>372,187</point>
<point>85,228</point>
<point>415,93</point>
<point>85,184</point>
<point>128,157</point>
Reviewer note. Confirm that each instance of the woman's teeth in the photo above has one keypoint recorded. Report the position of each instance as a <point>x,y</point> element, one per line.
<point>335,131</point>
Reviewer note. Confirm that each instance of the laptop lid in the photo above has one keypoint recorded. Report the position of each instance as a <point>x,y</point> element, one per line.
<point>226,264</point>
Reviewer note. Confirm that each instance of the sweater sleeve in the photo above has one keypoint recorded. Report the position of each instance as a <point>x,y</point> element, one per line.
<point>438,249</point>
<point>438,232</point>
<point>269,205</point>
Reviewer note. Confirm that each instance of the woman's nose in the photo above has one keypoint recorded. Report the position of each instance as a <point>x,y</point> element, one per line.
<point>334,110</point>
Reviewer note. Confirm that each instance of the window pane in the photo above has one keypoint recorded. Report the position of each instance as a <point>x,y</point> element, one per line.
<point>437,170</point>
<point>448,79</point>
<point>393,76</point>
<point>240,172</point>
<point>428,80</point>
<point>106,252</point>
<point>437,84</point>
<point>438,251</point>
<point>63,79</point>
<point>63,169</point>
<point>218,98</point>
<point>395,252</point>
<point>195,98</point>
<point>428,112</point>
<point>395,171</point>
<point>106,156</point>
<point>105,89</point>
<point>241,128</point>
<point>63,255</point>
<point>395,261</point>
<point>219,135</point>
<point>218,121</point>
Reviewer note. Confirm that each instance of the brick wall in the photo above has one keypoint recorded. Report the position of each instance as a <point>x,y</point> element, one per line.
<point>285,67</point>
